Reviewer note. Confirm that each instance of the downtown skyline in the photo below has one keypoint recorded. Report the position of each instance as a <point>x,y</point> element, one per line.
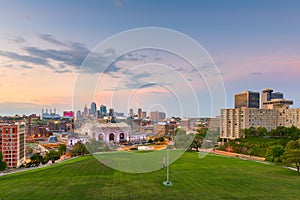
<point>254,44</point>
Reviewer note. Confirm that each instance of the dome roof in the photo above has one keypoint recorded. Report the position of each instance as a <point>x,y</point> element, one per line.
<point>52,139</point>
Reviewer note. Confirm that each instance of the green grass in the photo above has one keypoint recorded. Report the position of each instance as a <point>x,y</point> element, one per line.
<point>212,177</point>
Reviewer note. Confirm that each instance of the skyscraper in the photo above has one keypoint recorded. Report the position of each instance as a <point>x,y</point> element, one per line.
<point>144,114</point>
<point>93,109</point>
<point>102,111</point>
<point>85,112</point>
<point>246,99</point>
<point>139,113</point>
<point>267,95</point>
<point>131,113</point>
<point>111,112</point>
<point>157,116</point>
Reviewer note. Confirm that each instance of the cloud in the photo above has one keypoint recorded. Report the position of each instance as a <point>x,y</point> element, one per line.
<point>132,57</point>
<point>101,63</point>
<point>24,58</point>
<point>157,59</point>
<point>50,38</point>
<point>26,67</point>
<point>71,54</point>
<point>256,73</point>
<point>17,39</point>
<point>141,75</point>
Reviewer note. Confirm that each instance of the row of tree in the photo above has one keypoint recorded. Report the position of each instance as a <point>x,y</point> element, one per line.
<point>292,132</point>
<point>290,155</point>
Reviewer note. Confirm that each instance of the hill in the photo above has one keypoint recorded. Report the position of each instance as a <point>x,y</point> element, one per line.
<point>212,177</point>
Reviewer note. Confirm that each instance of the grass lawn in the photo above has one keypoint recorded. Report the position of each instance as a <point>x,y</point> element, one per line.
<point>212,177</point>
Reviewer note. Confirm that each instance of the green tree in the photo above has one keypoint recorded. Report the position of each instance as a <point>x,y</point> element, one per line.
<point>62,148</point>
<point>161,139</point>
<point>274,153</point>
<point>79,149</point>
<point>52,155</point>
<point>36,159</point>
<point>197,142</point>
<point>261,131</point>
<point>292,154</point>
<point>2,163</point>
<point>30,150</point>
<point>183,140</point>
<point>94,146</point>
<point>248,132</point>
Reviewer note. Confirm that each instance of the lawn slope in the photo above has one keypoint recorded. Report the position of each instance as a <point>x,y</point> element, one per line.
<point>212,177</point>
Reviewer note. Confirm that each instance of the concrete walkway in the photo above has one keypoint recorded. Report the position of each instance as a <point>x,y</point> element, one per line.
<point>247,157</point>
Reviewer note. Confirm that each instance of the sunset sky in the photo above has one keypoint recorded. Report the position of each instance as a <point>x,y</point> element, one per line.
<point>254,44</point>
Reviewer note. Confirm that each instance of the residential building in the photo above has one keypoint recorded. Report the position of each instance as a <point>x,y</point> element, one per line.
<point>275,112</point>
<point>12,143</point>
<point>234,120</point>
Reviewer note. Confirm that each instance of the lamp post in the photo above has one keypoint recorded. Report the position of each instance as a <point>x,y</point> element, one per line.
<point>168,182</point>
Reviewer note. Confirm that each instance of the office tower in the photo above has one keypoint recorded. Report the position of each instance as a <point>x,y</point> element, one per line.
<point>85,111</point>
<point>78,114</point>
<point>12,143</point>
<point>144,115</point>
<point>93,109</point>
<point>139,113</point>
<point>157,116</point>
<point>102,111</point>
<point>131,113</point>
<point>246,99</point>
<point>273,100</point>
<point>111,112</point>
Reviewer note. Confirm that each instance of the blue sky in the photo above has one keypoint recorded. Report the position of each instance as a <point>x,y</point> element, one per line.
<point>255,44</point>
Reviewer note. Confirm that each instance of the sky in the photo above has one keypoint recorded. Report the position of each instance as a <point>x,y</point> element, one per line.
<point>46,45</point>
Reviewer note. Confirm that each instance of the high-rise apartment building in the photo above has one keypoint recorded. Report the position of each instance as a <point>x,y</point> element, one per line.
<point>157,116</point>
<point>12,143</point>
<point>246,99</point>
<point>275,112</point>
<point>233,121</point>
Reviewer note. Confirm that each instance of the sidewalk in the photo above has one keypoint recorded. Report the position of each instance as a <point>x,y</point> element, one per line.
<point>230,154</point>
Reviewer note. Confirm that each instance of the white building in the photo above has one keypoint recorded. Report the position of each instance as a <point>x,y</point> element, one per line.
<point>107,132</point>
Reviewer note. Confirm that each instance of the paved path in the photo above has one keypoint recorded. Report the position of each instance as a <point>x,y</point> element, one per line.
<point>252,158</point>
<point>225,153</point>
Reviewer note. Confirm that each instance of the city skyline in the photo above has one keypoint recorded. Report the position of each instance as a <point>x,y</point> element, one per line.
<point>254,44</point>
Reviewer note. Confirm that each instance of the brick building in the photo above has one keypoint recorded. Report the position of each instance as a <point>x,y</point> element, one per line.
<point>12,143</point>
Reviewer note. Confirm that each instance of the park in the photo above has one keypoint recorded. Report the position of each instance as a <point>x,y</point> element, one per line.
<point>210,177</point>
